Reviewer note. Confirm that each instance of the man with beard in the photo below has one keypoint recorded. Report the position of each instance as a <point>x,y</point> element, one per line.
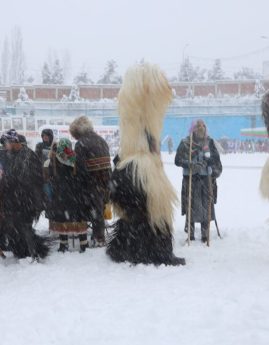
<point>204,166</point>
<point>22,198</point>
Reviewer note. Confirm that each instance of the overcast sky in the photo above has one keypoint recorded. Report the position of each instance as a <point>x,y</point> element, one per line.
<point>94,31</point>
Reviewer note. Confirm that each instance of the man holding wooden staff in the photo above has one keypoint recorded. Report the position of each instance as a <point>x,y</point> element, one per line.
<point>200,160</point>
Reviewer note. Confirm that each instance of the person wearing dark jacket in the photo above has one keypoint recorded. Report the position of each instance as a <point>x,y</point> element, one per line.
<point>206,166</point>
<point>43,148</point>
<point>63,209</point>
<point>22,199</point>
<point>93,171</point>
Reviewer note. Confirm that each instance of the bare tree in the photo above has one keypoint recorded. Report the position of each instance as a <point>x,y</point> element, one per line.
<point>5,58</point>
<point>67,68</point>
<point>17,66</point>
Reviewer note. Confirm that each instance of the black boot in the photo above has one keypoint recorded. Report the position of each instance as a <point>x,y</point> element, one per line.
<point>63,243</point>
<point>204,228</point>
<point>83,243</point>
<point>192,236</point>
<point>176,261</point>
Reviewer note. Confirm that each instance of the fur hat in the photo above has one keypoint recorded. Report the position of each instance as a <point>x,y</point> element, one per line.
<point>22,139</point>
<point>80,126</point>
<point>10,136</point>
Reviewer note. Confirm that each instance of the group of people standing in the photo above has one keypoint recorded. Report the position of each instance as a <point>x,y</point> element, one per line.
<point>71,186</point>
<point>74,186</point>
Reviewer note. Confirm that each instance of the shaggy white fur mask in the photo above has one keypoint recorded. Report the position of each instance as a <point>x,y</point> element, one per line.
<point>143,99</point>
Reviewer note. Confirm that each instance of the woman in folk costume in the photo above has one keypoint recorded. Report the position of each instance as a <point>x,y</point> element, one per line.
<point>63,211</point>
<point>142,195</point>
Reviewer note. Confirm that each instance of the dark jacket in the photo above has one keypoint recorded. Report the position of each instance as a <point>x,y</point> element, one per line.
<point>42,149</point>
<point>63,206</point>
<point>22,185</point>
<point>93,171</point>
<point>205,170</point>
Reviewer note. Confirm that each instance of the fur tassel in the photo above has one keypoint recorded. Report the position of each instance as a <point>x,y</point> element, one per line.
<point>264,181</point>
<point>143,99</point>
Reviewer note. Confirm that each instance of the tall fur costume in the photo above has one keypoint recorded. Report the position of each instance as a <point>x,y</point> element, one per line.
<point>264,181</point>
<point>140,191</point>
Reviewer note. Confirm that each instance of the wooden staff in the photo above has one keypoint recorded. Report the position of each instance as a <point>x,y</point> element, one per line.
<point>190,191</point>
<point>210,199</point>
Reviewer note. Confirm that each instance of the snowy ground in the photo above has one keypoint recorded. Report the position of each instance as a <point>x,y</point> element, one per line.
<point>220,297</point>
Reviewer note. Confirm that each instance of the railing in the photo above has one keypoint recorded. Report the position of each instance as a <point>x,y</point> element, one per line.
<point>233,107</point>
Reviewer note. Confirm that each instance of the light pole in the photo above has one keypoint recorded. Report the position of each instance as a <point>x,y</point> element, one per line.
<point>183,52</point>
<point>265,64</point>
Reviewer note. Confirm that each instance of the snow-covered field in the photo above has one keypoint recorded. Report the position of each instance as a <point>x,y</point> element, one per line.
<point>220,297</point>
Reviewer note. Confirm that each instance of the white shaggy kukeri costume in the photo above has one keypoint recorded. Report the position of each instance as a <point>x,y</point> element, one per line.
<point>142,195</point>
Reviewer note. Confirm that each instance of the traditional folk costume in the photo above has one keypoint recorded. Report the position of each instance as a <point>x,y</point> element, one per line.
<point>93,171</point>
<point>63,210</point>
<point>142,195</point>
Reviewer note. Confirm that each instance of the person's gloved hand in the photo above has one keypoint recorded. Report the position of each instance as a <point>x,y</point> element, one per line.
<point>197,167</point>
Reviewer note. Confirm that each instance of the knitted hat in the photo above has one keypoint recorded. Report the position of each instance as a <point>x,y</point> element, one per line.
<point>10,136</point>
<point>64,153</point>
<point>194,124</point>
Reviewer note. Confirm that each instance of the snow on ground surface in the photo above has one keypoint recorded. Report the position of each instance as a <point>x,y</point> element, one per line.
<point>220,297</point>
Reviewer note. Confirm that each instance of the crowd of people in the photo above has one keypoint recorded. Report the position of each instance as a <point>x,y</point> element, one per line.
<point>244,146</point>
<point>75,186</point>
<point>71,186</point>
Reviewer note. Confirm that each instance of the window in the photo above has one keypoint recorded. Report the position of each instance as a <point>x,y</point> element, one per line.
<point>17,124</point>
<point>30,124</point>
<point>41,123</point>
<point>6,124</point>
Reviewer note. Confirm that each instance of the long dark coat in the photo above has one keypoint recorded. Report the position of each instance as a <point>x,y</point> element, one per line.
<point>93,173</point>
<point>23,185</point>
<point>204,186</point>
<point>63,206</point>
<point>21,203</point>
